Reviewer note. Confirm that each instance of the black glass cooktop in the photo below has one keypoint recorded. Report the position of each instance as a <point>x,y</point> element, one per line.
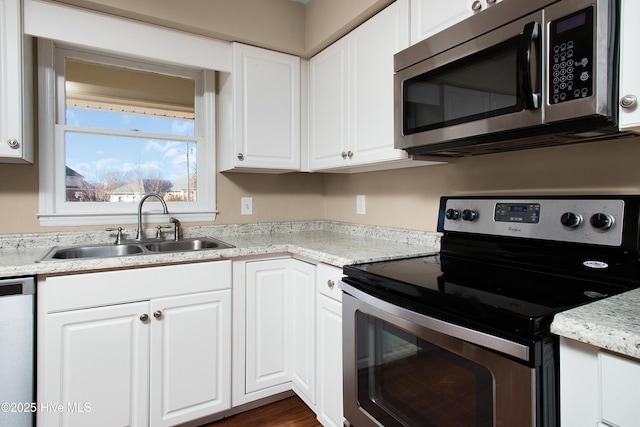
<point>480,294</point>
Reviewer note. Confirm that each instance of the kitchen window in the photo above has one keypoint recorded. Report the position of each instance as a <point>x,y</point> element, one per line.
<point>122,128</point>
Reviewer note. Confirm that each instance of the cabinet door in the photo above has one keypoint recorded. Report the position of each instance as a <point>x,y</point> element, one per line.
<point>329,337</point>
<point>190,363</point>
<point>265,129</point>
<point>629,63</point>
<point>619,379</point>
<point>371,47</point>
<point>303,308</point>
<point>328,108</point>
<point>15,144</point>
<point>95,367</point>
<point>428,18</point>
<point>267,327</point>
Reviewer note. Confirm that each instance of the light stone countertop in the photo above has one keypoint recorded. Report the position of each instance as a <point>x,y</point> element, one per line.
<point>612,323</point>
<point>336,244</point>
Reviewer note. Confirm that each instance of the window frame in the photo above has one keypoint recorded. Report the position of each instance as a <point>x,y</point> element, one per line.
<point>54,209</point>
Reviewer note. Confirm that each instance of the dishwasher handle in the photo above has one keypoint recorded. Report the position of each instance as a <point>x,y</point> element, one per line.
<point>20,286</point>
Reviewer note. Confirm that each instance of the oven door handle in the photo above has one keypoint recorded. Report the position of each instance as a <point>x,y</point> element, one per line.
<point>489,341</point>
<point>530,33</point>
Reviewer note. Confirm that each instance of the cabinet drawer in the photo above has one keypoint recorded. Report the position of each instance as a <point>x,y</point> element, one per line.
<point>328,278</point>
<point>103,288</point>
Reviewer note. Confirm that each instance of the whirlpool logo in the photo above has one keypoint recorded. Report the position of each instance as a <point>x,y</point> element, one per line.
<point>514,229</point>
<point>598,265</point>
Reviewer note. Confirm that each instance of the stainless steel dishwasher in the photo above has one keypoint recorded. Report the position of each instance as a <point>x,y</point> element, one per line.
<point>17,336</point>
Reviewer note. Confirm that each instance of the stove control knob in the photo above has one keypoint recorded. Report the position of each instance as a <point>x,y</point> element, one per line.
<point>469,215</point>
<point>571,219</point>
<point>602,221</point>
<point>452,214</point>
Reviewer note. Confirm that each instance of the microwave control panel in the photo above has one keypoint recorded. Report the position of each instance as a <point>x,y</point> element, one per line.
<point>571,57</point>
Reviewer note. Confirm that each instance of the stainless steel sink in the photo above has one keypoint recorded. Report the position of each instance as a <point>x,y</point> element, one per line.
<point>194,244</point>
<point>134,248</point>
<point>96,251</point>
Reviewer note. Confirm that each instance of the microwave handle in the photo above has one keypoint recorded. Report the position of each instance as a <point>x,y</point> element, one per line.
<point>529,34</point>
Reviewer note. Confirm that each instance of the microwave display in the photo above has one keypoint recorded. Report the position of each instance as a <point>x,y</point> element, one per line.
<point>571,57</point>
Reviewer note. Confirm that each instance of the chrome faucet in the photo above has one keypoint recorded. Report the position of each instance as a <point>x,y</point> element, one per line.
<point>140,234</point>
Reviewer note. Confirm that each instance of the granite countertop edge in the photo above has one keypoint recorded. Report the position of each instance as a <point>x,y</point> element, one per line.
<point>612,324</point>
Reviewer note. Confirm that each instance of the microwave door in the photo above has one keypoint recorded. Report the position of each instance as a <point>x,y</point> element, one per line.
<point>487,85</point>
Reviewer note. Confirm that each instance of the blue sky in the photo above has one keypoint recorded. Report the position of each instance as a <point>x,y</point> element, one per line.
<point>96,156</point>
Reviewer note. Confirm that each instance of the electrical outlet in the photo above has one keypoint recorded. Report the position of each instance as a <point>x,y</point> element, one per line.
<point>247,206</point>
<point>360,205</point>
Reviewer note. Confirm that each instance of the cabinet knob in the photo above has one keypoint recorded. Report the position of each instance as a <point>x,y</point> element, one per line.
<point>628,101</point>
<point>13,143</point>
<point>331,283</point>
<point>491,1</point>
<point>240,156</point>
<point>476,6</point>
<point>144,317</point>
<point>350,154</point>
<point>344,154</point>
<point>157,314</point>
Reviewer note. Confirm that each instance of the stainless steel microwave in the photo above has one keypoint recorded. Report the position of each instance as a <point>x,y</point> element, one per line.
<point>521,74</point>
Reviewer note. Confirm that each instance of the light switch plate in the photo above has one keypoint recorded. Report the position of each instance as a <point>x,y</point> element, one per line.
<point>246,206</point>
<point>360,205</point>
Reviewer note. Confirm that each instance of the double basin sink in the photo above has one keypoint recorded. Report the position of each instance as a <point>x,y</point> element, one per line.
<point>133,248</point>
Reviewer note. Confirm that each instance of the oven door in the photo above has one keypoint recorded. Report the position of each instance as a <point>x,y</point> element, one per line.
<point>489,84</point>
<point>402,368</point>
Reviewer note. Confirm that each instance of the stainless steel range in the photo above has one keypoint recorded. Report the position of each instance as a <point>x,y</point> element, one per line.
<point>462,338</point>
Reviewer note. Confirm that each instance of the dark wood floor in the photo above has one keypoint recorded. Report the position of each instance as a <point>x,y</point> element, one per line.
<point>290,412</point>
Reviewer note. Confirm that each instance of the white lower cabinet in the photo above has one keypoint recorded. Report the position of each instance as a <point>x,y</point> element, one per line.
<point>158,360</point>
<point>329,346</point>
<point>274,315</point>
<point>597,387</point>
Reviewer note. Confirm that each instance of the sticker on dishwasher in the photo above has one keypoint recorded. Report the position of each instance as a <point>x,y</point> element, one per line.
<point>595,264</point>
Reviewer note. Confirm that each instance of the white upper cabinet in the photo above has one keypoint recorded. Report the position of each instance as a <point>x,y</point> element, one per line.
<point>259,115</point>
<point>629,63</point>
<point>428,17</point>
<point>351,96</point>
<point>328,137</point>
<point>16,107</point>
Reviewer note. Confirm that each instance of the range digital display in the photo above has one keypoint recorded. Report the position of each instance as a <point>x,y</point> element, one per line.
<point>517,212</point>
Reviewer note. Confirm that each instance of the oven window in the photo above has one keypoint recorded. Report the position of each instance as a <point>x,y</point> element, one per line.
<point>405,381</point>
<point>477,87</point>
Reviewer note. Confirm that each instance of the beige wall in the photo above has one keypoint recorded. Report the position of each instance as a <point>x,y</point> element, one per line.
<point>409,198</point>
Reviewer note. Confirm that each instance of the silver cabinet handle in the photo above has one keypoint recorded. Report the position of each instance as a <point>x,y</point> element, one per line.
<point>628,101</point>
<point>331,283</point>
<point>344,154</point>
<point>13,143</point>
<point>157,314</point>
<point>350,154</point>
<point>144,317</point>
<point>240,156</point>
<point>476,6</point>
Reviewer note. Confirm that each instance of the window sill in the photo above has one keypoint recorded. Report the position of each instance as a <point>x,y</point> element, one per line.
<point>71,220</point>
